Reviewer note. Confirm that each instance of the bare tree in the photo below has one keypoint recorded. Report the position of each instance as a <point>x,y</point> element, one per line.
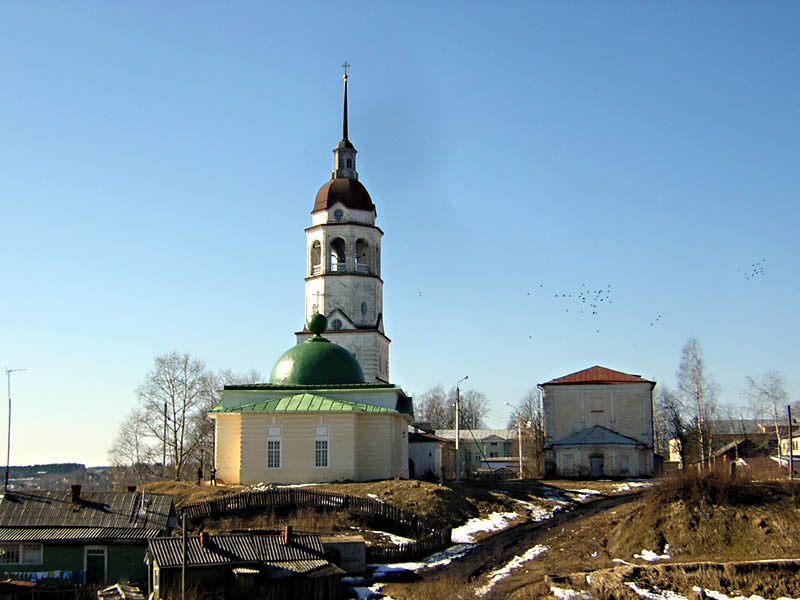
<point>672,420</point>
<point>179,383</point>
<point>696,389</point>
<point>768,392</point>
<point>434,406</point>
<point>131,451</point>
<point>438,407</point>
<point>530,416</point>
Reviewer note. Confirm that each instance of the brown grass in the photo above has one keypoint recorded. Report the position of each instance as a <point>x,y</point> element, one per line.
<point>444,588</point>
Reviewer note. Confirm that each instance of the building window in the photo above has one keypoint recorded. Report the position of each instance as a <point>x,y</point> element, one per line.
<point>338,214</point>
<point>321,452</point>
<point>336,324</point>
<point>349,163</point>
<point>21,554</point>
<point>274,448</point>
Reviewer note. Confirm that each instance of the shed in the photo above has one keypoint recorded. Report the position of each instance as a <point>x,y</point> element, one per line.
<point>244,565</point>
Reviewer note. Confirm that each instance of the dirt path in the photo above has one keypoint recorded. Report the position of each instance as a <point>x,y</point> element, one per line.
<point>575,539</point>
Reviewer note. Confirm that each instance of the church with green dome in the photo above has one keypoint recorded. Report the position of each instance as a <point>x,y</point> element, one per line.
<point>321,418</point>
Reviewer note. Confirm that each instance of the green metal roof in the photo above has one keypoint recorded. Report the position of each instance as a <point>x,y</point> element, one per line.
<point>305,402</point>
<point>319,386</point>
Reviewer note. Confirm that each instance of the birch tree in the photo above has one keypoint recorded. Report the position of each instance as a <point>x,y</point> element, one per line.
<point>768,393</point>
<point>696,390</point>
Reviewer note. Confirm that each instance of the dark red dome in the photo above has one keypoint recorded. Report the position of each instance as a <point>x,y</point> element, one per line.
<point>349,192</point>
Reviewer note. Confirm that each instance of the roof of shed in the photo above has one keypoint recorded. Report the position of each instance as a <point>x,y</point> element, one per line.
<point>596,435</point>
<point>598,374</point>
<point>301,552</point>
<point>115,510</point>
<point>305,402</point>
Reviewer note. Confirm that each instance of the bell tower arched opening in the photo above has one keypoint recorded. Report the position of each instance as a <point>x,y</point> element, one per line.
<point>338,258</point>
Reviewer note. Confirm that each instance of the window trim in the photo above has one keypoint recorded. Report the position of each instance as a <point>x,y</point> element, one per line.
<point>21,553</point>
<point>271,439</point>
<point>326,439</point>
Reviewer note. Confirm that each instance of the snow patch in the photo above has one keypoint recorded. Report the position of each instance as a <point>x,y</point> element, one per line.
<point>663,595</point>
<point>567,594</point>
<point>651,556</point>
<point>514,563</point>
<point>397,540</point>
<point>629,485</point>
<point>721,596</point>
<point>445,557</point>
<point>493,522</point>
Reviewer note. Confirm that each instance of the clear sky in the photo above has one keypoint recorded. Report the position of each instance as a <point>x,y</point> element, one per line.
<point>159,161</point>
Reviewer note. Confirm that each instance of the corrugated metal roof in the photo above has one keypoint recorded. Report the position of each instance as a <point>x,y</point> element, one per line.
<point>74,534</point>
<point>598,374</point>
<point>479,434</point>
<point>305,402</point>
<point>596,435</point>
<point>236,549</point>
<point>120,510</point>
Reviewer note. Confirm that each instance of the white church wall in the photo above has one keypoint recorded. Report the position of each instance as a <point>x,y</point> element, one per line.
<point>321,217</point>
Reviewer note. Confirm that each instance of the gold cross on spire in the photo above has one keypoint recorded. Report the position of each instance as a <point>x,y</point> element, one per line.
<point>345,66</point>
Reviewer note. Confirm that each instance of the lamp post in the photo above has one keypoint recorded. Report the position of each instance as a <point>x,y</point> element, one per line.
<point>519,434</point>
<point>8,447</point>
<point>458,435</point>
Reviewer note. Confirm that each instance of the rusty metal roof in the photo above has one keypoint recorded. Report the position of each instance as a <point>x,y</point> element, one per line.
<point>117,510</point>
<point>598,374</point>
<point>237,549</point>
<point>75,534</point>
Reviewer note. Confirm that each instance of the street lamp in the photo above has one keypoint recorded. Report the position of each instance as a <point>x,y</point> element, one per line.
<point>458,449</point>
<point>519,434</point>
<point>8,448</point>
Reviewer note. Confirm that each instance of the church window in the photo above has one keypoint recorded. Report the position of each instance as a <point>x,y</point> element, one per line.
<point>338,214</point>
<point>338,260</point>
<point>349,163</point>
<point>336,324</point>
<point>321,452</point>
<point>274,448</point>
<point>362,256</point>
<point>316,258</point>
<point>364,309</point>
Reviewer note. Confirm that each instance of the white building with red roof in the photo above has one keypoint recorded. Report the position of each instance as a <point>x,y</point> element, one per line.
<point>598,422</point>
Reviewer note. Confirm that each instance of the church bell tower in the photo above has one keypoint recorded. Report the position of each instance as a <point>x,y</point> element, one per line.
<point>343,271</point>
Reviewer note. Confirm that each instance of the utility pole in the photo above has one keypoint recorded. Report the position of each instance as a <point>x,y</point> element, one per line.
<point>183,555</point>
<point>791,449</point>
<point>519,434</point>
<point>8,448</point>
<point>458,435</point>
<point>164,451</point>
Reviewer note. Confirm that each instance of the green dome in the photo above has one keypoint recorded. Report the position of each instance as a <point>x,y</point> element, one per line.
<point>317,361</point>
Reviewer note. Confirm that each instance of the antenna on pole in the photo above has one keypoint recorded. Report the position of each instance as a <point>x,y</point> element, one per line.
<point>8,447</point>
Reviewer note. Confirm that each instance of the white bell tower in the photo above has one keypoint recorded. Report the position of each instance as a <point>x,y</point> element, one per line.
<point>343,277</point>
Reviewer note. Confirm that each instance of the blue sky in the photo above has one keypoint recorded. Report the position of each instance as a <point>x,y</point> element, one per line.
<point>159,161</point>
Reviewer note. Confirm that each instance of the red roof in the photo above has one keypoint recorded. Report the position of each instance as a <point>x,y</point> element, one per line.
<point>598,374</point>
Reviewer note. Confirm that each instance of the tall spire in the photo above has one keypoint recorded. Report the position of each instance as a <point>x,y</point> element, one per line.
<point>344,112</point>
<point>344,155</point>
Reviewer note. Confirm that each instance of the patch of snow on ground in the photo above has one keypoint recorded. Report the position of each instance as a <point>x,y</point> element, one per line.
<point>664,595</point>
<point>567,594</point>
<point>433,561</point>
<point>514,563</point>
<point>397,540</point>
<point>629,485</point>
<point>651,556</point>
<point>373,496</point>
<point>721,596</point>
<point>581,495</point>
<point>493,522</point>
<point>536,512</point>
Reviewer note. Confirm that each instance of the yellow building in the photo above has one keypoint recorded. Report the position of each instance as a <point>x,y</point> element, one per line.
<point>316,420</point>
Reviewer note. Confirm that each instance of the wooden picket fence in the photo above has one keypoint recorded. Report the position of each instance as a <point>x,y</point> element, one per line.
<point>429,535</point>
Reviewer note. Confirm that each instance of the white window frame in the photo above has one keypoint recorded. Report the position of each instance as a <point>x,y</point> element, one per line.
<point>20,549</point>
<point>327,451</point>
<point>274,440</point>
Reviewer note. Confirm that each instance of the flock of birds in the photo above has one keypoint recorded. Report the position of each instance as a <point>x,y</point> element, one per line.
<point>588,301</point>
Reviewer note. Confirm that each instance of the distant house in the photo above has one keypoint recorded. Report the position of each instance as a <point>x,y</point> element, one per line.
<point>483,449</point>
<point>69,538</point>
<point>244,566</point>
<point>430,456</point>
<point>598,422</point>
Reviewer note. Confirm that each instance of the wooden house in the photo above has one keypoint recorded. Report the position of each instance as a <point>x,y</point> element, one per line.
<point>70,538</point>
